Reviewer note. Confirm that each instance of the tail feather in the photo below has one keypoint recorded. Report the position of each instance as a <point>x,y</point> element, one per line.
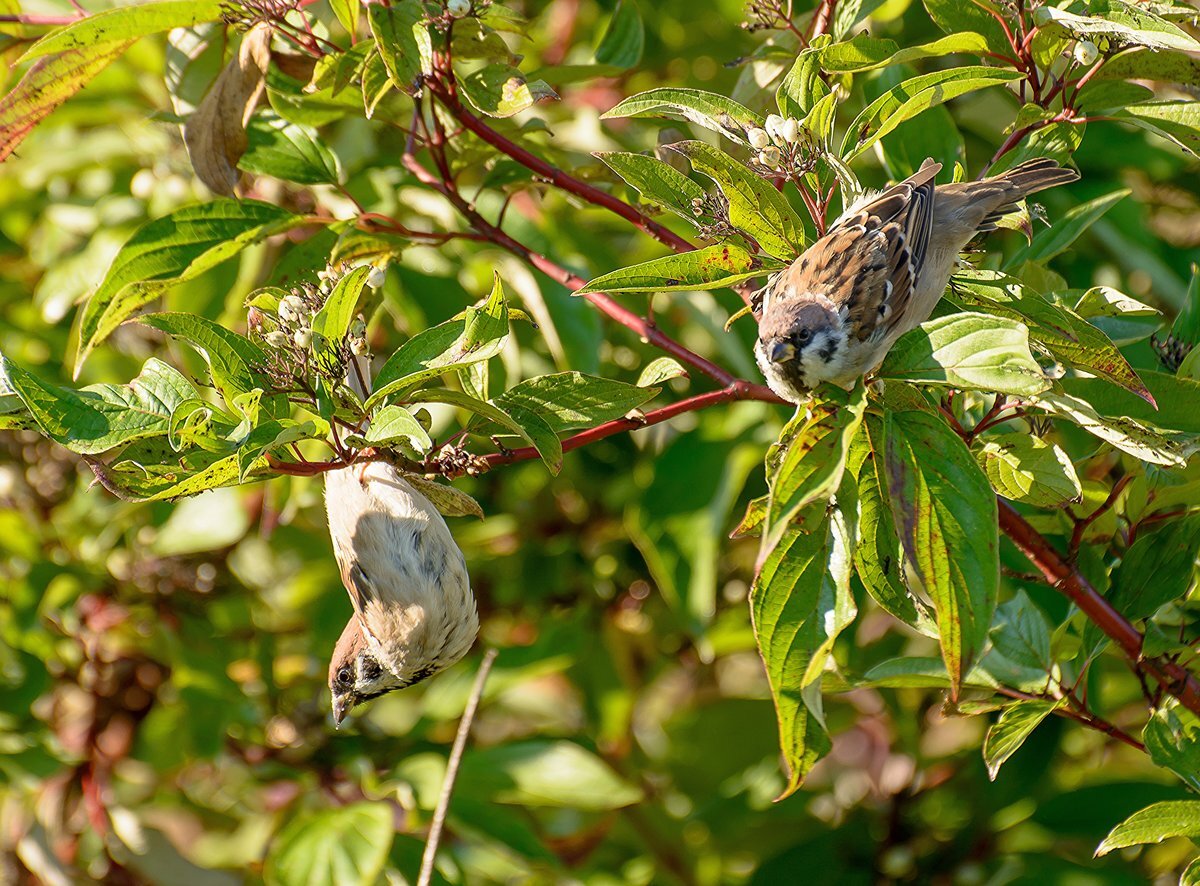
<point>1022,180</point>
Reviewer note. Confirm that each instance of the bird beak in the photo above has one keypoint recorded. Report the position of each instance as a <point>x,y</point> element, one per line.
<point>781,352</point>
<point>341,707</point>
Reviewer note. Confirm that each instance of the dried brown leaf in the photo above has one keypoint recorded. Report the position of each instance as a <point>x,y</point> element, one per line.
<point>216,133</point>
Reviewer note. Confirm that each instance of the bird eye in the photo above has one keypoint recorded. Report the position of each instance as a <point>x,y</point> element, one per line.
<point>804,336</point>
<point>344,675</point>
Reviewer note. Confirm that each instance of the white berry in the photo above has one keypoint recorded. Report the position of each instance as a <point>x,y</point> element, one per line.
<point>790,131</point>
<point>302,338</point>
<point>774,123</point>
<point>277,339</point>
<point>769,156</point>
<point>458,8</point>
<point>758,138</point>
<point>375,277</point>
<point>1086,52</point>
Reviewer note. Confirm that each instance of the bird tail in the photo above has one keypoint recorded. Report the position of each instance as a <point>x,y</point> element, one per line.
<point>1021,181</point>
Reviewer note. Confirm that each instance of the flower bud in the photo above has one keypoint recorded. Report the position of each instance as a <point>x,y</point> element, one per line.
<point>254,320</point>
<point>458,8</point>
<point>758,138</point>
<point>1086,52</point>
<point>774,122</point>
<point>302,338</point>
<point>375,277</point>
<point>277,339</point>
<point>790,130</point>
<point>769,156</point>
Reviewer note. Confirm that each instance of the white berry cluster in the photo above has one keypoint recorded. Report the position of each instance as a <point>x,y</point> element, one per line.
<point>779,144</point>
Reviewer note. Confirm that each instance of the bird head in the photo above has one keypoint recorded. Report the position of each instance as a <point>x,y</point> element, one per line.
<point>801,341</point>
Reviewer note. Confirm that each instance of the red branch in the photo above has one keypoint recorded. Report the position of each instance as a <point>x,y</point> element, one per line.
<point>574,282</point>
<point>1063,577</point>
<point>555,175</point>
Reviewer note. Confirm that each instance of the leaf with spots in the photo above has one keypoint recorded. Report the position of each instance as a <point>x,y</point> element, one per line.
<point>712,267</point>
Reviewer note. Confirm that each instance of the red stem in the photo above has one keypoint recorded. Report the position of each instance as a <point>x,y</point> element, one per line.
<point>1063,577</point>
<point>605,303</point>
<point>555,175</point>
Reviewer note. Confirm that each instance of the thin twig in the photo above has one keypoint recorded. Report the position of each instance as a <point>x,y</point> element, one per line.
<point>456,753</point>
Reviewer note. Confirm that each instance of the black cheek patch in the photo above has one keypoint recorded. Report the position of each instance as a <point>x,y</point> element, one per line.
<point>826,353</point>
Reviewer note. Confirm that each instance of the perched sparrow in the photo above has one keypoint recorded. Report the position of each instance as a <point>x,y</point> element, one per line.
<point>414,613</point>
<point>879,271</point>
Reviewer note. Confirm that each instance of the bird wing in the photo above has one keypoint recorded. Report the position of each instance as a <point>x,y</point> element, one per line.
<point>868,262</point>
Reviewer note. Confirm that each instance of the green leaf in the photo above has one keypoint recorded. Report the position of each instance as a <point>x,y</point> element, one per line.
<point>568,400</point>
<point>1172,739</point>
<point>343,846</point>
<point>402,35</point>
<point>1009,732</point>
<point>799,604</point>
<point>806,464</point>
<point>967,350</point>
<point>1123,319</point>
<point>1065,334</point>
<point>625,38</point>
<point>656,181</point>
<point>1116,23</point>
<point>802,86</point>
<point>1027,469</point>
<point>1159,567</point>
<point>1175,121</point>
<point>945,515</point>
<point>525,423</point>
<point>1176,399</point>
<point>347,12</point>
<point>914,96</point>
<point>659,370</point>
<point>336,316</point>
<point>170,250</point>
<point>1149,64</point>
<point>160,482</point>
<point>712,267</point>
<point>1057,238</point>
<point>231,358</point>
<point>501,90</point>
<point>755,207</point>
<point>448,346</point>
<point>1121,431</point>
<point>288,151</point>
<point>126,23</point>
<point>547,774</point>
<point>878,559</point>
<point>956,17</point>
<point>1021,635</point>
<point>393,424</point>
<point>47,84</point>
<point>920,673</point>
<point>273,434</point>
<point>866,53</point>
<point>707,109</point>
<point>376,83</point>
<point>1173,818</point>
<point>450,502</point>
<point>101,417</point>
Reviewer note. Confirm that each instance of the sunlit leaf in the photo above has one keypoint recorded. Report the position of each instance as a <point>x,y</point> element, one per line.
<point>945,515</point>
<point>341,846</point>
<point>1007,734</point>
<point>1173,818</point>
<point>402,35</point>
<point>967,350</point>
<point>1027,469</point>
<point>755,207</point>
<point>707,109</point>
<point>712,267</point>
<point>501,90</point>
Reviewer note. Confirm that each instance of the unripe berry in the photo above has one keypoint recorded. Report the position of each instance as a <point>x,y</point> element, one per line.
<point>790,130</point>
<point>769,156</point>
<point>375,277</point>
<point>758,138</point>
<point>458,8</point>
<point>302,338</point>
<point>277,339</point>
<point>774,123</point>
<point>1086,52</point>
<point>358,346</point>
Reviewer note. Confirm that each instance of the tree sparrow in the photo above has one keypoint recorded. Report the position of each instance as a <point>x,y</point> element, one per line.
<point>414,613</point>
<point>878,272</point>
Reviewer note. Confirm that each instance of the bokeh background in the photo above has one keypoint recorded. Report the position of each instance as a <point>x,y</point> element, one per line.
<point>163,714</point>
